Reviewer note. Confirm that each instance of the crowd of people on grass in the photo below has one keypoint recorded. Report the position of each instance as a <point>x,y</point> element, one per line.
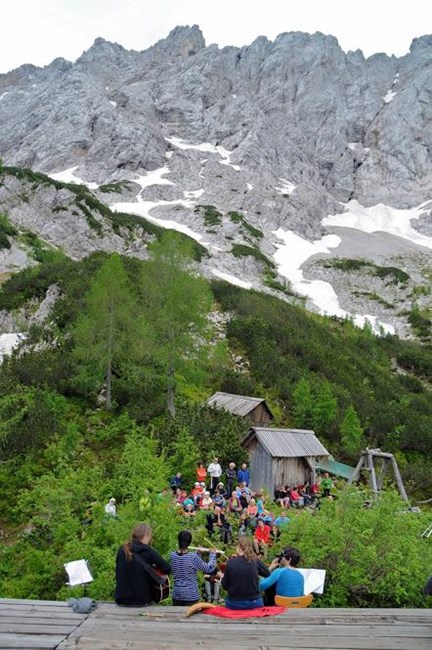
<point>232,510</point>
<point>229,503</point>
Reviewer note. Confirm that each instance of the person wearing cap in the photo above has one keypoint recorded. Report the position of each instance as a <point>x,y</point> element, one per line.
<point>206,502</point>
<point>222,490</point>
<point>110,507</point>
<point>289,582</point>
<point>197,491</point>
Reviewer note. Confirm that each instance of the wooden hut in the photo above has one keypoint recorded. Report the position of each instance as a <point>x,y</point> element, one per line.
<point>282,456</point>
<point>254,409</point>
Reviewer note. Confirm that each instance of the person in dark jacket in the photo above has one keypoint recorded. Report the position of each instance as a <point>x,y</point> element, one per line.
<point>230,473</point>
<point>241,578</point>
<point>133,583</point>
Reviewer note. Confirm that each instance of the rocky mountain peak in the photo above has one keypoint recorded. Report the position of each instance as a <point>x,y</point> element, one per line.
<point>182,41</point>
<point>101,48</point>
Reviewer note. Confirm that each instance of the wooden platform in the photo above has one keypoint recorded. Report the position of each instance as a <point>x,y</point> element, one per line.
<point>53,625</point>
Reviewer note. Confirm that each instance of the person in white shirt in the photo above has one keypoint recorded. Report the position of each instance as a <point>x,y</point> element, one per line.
<point>110,507</point>
<point>214,470</point>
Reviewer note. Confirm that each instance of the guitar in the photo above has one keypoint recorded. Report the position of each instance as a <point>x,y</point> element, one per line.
<point>160,586</point>
<point>160,589</point>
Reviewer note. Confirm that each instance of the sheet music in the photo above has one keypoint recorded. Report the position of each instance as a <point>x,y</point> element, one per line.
<point>314,580</point>
<point>78,572</point>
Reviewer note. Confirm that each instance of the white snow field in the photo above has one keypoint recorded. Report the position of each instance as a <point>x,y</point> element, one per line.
<point>154,178</point>
<point>232,279</point>
<point>286,187</point>
<point>381,218</point>
<point>374,219</point>
<point>205,147</point>
<point>68,176</point>
<point>8,342</point>
<point>289,258</point>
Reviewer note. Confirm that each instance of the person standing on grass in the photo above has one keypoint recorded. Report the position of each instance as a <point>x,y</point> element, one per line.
<point>231,476</point>
<point>326,485</point>
<point>243,475</point>
<point>215,472</point>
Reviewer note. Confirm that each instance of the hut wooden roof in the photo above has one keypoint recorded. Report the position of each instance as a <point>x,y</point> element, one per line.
<point>236,404</point>
<point>287,443</point>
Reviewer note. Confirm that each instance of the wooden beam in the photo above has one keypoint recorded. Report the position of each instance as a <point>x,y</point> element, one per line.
<point>399,481</point>
<point>372,473</point>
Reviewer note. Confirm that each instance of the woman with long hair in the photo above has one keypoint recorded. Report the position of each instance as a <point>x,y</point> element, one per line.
<point>241,578</point>
<point>185,567</point>
<point>133,582</point>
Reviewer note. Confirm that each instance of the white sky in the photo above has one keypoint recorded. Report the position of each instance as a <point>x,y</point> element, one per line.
<point>38,31</point>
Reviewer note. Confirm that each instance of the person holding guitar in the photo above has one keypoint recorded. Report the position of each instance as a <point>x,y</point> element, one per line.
<point>137,567</point>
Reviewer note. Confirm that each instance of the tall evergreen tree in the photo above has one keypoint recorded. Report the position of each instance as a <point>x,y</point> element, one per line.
<point>324,408</point>
<point>302,404</point>
<point>351,432</point>
<point>177,302</point>
<point>108,336</point>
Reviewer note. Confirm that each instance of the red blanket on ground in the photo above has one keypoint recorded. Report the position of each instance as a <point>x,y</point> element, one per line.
<point>225,612</point>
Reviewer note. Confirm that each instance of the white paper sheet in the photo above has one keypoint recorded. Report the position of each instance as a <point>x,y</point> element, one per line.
<point>314,580</point>
<point>78,572</point>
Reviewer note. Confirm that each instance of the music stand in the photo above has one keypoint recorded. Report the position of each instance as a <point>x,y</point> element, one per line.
<point>78,573</point>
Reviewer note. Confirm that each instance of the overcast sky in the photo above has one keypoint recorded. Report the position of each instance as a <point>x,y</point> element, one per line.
<point>38,31</point>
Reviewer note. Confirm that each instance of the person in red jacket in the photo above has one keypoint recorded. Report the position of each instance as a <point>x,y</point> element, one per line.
<point>262,538</point>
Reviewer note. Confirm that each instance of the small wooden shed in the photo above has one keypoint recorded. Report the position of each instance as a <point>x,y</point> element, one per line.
<point>282,456</point>
<point>253,409</point>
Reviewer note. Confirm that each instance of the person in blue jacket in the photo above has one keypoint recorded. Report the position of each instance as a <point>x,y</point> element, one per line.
<point>243,475</point>
<point>284,575</point>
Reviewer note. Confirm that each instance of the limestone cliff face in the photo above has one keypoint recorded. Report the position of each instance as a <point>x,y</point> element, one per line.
<point>282,132</point>
<point>298,107</point>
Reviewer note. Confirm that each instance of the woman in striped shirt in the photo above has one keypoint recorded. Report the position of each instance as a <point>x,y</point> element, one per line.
<point>185,567</point>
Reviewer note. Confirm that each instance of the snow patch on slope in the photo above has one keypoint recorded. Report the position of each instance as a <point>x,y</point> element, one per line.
<point>232,279</point>
<point>154,178</point>
<point>286,187</point>
<point>380,218</point>
<point>289,258</point>
<point>8,342</point>
<point>205,147</point>
<point>68,176</point>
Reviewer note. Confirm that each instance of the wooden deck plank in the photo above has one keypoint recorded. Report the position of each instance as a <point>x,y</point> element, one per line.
<point>53,625</point>
<point>23,601</point>
<point>259,642</point>
<point>34,642</point>
<point>49,619</point>
<point>193,629</point>
<point>36,627</point>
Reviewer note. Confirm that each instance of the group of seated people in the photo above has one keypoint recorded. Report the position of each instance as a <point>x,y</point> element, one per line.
<point>237,506</point>
<point>248,582</point>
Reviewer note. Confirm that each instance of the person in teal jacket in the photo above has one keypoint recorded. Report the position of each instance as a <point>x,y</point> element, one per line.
<point>284,576</point>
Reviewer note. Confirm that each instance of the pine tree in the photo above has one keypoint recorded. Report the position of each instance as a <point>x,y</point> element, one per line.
<point>324,408</point>
<point>351,432</point>
<point>302,404</point>
<point>109,336</point>
<point>176,301</point>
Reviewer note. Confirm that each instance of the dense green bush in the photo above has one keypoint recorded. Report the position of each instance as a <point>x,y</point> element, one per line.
<point>374,556</point>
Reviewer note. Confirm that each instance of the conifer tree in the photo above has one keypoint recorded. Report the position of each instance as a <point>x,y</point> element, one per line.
<point>108,336</point>
<point>176,301</point>
<point>351,432</point>
<point>302,404</point>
